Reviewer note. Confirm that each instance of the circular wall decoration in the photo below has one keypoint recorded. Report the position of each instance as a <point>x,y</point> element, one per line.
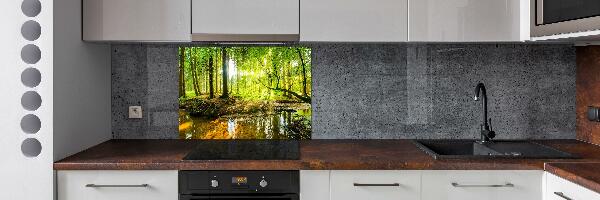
<point>31,77</point>
<point>31,30</point>
<point>31,147</point>
<point>31,100</point>
<point>31,124</point>
<point>31,8</point>
<point>31,54</point>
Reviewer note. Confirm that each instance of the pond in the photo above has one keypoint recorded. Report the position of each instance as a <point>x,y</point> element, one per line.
<point>282,124</point>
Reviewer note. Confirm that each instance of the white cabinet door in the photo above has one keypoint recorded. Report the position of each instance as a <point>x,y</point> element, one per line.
<point>353,20</point>
<point>482,185</point>
<point>468,21</point>
<point>239,20</point>
<point>375,185</point>
<point>136,20</point>
<point>117,185</point>
<point>560,189</point>
<point>314,185</point>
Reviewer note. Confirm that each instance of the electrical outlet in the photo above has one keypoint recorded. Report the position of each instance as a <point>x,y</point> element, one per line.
<point>135,112</point>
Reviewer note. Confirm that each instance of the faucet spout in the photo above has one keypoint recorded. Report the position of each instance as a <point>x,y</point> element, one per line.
<point>480,94</point>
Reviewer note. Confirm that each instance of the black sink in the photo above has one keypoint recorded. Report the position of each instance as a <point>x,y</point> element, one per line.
<point>469,149</point>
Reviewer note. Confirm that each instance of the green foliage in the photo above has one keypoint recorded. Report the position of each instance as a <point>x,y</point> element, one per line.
<point>254,73</point>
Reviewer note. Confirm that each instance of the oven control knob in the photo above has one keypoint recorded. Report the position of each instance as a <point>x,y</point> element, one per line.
<point>263,183</point>
<point>214,183</point>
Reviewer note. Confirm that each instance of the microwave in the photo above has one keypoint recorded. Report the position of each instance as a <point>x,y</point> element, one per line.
<point>553,17</point>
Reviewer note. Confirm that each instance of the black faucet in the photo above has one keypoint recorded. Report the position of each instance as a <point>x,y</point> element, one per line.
<point>487,134</point>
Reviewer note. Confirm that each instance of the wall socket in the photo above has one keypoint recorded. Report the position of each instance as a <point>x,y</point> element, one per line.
<point>135,112</point>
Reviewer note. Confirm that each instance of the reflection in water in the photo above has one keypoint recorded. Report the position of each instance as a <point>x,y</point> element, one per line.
<point>279,125</point>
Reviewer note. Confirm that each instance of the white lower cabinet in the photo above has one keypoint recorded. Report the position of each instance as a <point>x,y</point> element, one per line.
<point>314,184</point>
<point>560,189</point>
<point>375,185</point>
<point>117,185</point>
<point>482,185</point>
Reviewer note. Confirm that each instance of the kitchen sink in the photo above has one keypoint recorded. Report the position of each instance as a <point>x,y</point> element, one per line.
<point>471,149</point>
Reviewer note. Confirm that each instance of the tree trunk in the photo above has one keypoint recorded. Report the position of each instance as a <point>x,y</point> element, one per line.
<point>211,89</point>
<point>304,87</point>
<point>182,72</point>
<point>194,73</point>
<point>225,72</point>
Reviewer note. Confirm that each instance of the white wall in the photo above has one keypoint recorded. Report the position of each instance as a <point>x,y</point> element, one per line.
<point>82,86</point>
<point>22,177</point>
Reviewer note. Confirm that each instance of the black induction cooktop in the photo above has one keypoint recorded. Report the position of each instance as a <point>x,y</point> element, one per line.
<point>245,150</point>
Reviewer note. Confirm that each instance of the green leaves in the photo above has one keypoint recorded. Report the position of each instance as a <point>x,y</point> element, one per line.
<point>255,73</point>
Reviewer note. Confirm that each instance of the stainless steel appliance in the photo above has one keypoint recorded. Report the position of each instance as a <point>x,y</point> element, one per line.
<point>552,17</point>
<point>239,185</point>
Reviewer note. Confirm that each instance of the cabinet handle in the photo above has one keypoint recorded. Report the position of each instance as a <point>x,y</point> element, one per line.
<point>562,195</point>
<point>470,186</point>
<point>115,186</point>
<point>376,184</point>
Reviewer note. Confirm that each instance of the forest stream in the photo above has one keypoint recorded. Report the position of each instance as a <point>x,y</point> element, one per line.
<point>281,124</point>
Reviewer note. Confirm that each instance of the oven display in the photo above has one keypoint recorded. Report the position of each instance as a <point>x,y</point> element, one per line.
<point>239,180</point>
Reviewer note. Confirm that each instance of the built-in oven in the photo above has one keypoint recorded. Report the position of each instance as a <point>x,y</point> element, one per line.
<point>552,17</point>
<point>239,185</point>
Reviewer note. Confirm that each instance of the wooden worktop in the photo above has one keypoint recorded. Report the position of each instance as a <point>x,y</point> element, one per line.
<point>314,155</point>
<point>584,174</point>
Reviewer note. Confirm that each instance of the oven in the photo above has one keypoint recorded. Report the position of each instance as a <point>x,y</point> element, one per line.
<point>238,185</point>
<point>552,17</point>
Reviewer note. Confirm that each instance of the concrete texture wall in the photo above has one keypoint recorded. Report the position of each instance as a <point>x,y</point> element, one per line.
<point>384,91</point>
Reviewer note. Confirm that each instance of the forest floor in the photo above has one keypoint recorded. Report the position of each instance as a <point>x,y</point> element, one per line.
<point>202,118</point>
<point>218,107</point>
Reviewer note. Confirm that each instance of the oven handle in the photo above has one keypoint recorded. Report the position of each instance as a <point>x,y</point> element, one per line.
<point>285,196</point>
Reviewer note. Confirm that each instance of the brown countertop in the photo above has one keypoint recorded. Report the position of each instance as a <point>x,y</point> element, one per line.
<point>314,154</point>
<point>584,174</point>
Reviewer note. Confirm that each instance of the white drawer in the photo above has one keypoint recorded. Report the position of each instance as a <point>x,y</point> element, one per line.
<point>343,185</point>
<point>161,185</point>
<point>567,189</point>
<point>482,185</point>
<point>314,184</point>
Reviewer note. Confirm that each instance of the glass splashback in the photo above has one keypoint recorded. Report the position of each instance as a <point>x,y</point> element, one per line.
<point>245,93</point>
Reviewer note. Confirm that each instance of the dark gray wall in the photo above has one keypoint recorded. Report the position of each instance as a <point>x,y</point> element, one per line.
<point>365,91</point>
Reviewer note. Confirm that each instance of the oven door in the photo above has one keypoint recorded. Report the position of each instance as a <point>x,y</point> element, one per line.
<point>241,197</point>
<point>551,17</point>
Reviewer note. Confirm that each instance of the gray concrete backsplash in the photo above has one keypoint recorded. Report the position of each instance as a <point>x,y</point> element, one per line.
<point>383,91</point>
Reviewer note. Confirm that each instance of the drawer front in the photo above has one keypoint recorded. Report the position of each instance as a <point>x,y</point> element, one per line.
<point>560,189</point>
<point>375,185</point>
<point>117,185</point>
<point>314,184</point>
<point>482,185</point>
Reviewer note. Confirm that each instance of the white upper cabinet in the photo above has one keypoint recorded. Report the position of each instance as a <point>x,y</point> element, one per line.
<point>136,20</point>
<point>353,20</point>
<point>468,20</point>
<point>245,20</point>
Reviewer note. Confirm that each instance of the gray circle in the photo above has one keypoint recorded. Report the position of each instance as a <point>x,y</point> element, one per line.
<point>31,77</point>
<point>31,54</point>
<point>31,30</point>
<point>31,100</point>
<point>31,147</point>
<point>31,8</point>
<point>31,124</point>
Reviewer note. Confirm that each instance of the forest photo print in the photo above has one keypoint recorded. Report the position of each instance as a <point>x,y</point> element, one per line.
<point>245,93</point>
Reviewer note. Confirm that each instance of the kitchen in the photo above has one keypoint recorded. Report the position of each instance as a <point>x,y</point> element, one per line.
<point>300,99</point>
